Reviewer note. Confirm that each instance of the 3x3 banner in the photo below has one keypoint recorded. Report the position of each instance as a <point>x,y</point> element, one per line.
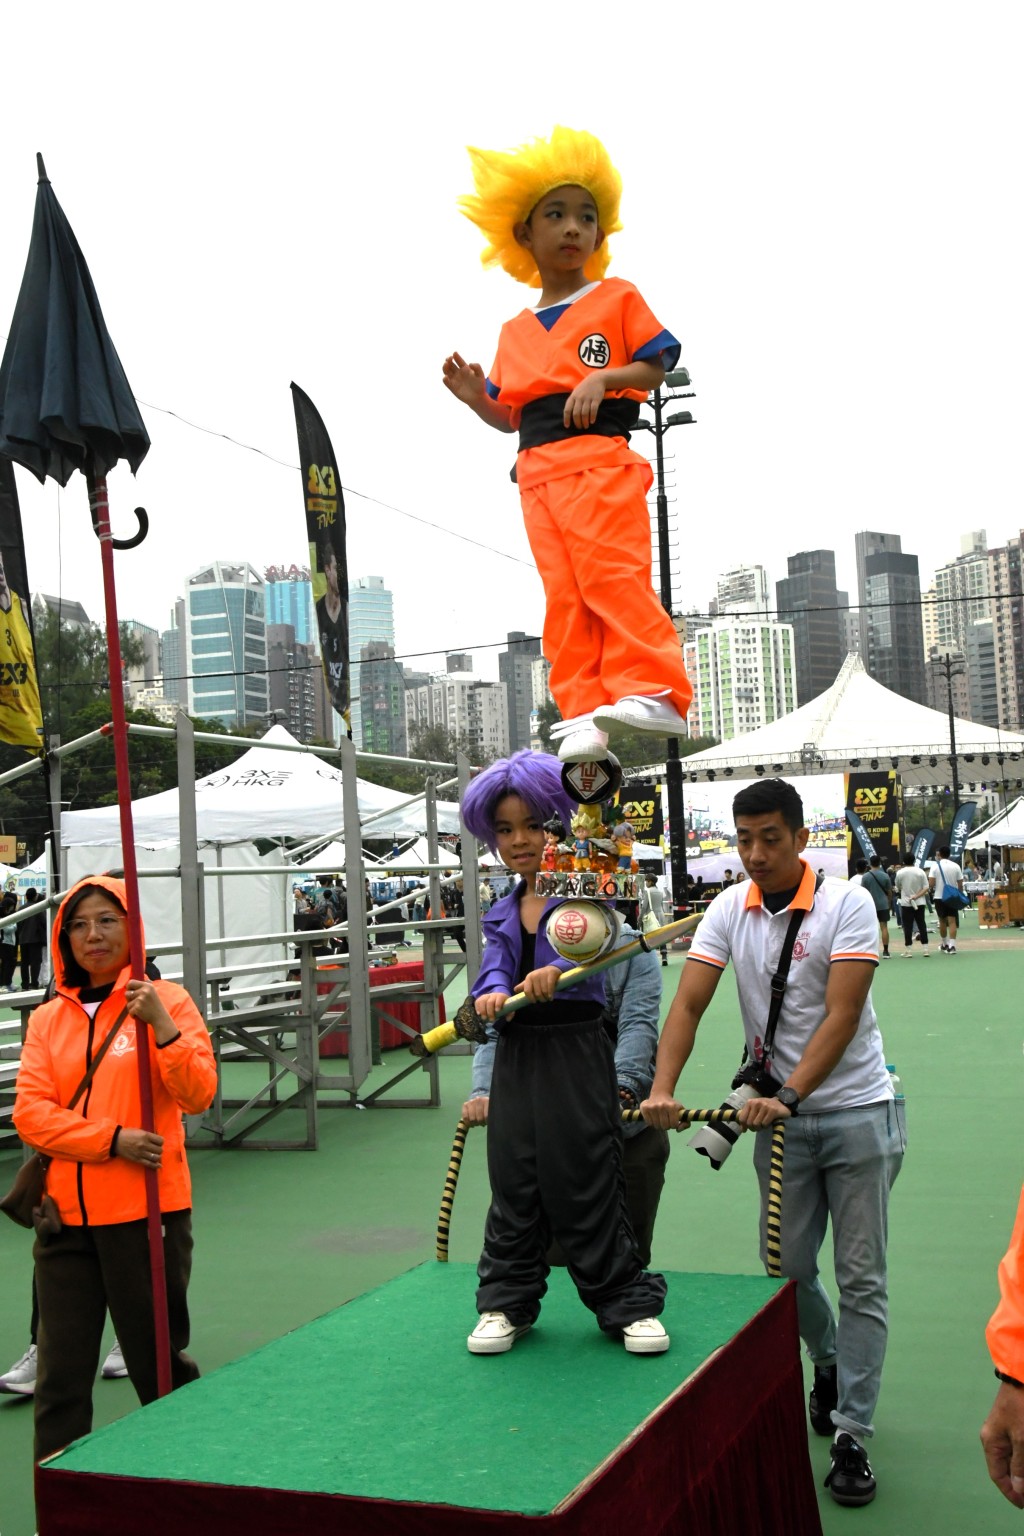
<point>21,716</point>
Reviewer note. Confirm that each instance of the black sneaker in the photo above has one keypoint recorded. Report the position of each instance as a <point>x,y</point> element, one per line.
<point>851,1480</point>
<point>824,1397</point>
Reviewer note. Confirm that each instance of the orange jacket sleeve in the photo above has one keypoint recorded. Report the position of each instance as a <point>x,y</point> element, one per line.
<point>186,1066</point>
<point>1005,1332</point>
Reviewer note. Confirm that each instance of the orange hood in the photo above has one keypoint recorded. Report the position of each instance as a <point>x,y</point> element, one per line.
<point>60,944</point>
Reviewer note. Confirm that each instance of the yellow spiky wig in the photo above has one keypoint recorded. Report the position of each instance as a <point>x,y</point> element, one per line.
<point>509,185</point>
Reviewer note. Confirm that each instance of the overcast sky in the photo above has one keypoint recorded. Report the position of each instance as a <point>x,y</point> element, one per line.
<point>821,202</point>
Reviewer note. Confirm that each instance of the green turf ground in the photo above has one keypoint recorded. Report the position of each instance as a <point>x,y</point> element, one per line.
<point>283,1237</point>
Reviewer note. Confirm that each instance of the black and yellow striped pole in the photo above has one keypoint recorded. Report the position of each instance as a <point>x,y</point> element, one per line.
<point>687,1117</point>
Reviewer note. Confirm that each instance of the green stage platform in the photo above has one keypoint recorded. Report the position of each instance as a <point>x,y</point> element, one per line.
<point>376,1418</point>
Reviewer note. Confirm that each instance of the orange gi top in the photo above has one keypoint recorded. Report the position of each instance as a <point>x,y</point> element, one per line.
<point>549,351</point>
<point>1005,1332</point>
<point>89,1186</point>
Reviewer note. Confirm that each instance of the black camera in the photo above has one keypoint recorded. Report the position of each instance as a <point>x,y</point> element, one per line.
<point>715,1142</point>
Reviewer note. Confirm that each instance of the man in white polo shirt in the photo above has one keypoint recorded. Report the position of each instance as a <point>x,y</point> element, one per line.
<point>845,1134</point>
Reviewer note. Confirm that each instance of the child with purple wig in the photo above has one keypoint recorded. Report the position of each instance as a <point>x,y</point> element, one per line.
<point>554,1148</point>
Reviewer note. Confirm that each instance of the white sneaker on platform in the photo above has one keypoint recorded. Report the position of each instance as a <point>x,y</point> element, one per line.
<point>645,1337</point>
<point>494,1334</point>
<point>113,1365</point>
<point>638,714</point>
<point>20,1379</point>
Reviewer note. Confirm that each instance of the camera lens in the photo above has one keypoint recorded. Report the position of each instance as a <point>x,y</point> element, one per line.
<point>715,1142</point>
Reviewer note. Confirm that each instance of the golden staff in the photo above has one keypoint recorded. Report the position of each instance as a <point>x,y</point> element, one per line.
<point>467,1026</point>
<point>687,1117</point>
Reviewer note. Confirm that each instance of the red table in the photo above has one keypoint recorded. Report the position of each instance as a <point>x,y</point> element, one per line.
<point>408,1010</point>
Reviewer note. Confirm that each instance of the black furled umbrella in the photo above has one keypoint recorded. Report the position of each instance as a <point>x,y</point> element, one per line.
<point>65,404</point>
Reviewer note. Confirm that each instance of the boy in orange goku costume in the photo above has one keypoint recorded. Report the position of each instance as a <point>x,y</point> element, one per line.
<point>569,377</point>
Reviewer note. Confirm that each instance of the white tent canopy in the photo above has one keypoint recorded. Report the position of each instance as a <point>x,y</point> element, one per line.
<point>265,794</point>
<point>858,720</point>
<point>1003,831</point>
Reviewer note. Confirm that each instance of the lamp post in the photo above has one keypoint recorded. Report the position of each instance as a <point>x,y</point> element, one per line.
<point>949,672</point>
<point>679,380</point>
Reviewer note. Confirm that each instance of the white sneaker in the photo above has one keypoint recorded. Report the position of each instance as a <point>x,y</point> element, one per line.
<point>638,714</point>
<point>645,1337</point>
<point>494,1334</point>
<point>113,1365</point>
<point>21,1378</point>
<point>584,744</point>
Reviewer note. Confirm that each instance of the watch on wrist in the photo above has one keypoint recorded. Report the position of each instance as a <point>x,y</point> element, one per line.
<point>790,1098</point>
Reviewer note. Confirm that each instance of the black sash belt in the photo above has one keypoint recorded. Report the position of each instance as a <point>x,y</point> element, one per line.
<point>542,421</point>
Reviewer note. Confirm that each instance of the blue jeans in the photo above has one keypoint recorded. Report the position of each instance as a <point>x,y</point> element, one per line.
<point>840,1165</point>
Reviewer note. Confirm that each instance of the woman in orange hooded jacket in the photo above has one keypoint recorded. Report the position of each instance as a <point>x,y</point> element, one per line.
<point>100,1258</point>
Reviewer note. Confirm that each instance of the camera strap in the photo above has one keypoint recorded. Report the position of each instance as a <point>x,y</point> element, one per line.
<point>778,982</point>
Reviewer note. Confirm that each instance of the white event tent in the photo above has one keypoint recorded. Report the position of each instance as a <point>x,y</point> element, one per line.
<point>858,723</point>
<point>267,795</point>
<point>1004,831</point>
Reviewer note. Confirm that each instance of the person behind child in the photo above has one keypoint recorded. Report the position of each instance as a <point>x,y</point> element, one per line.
<point>879,887</point>
<point>569,377</point>
<point>946,883</point>
<point>652,906</point>
<point>912,896</point>
<point>31,943</point>
<point>554,1148</point>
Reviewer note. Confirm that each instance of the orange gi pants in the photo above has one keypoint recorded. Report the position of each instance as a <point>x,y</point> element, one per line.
<point>605,632</point>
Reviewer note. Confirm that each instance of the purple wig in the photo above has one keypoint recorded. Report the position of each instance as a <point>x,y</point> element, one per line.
<point>534,776</point>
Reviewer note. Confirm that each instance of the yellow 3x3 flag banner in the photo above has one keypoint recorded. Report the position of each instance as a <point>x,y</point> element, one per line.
<point>21,717</point>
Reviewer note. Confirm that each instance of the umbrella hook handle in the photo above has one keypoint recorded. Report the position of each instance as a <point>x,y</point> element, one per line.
<point>136,539</point>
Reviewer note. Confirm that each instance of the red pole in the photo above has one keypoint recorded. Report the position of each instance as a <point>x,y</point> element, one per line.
<point>101,521</point>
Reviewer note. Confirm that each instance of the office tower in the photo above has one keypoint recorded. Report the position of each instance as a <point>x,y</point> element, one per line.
<point>226,644</point>
<point>298,690</point>
<point>173,661</point>
<point>141,674</point>
<point>289,595</point>
<point>371,616</point>
<point>808,599</point>
<point>515,671</point>
<point>382,700</point>
<point>891,631</point>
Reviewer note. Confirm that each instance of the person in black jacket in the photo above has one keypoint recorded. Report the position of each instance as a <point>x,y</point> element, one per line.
<point>32,939</point>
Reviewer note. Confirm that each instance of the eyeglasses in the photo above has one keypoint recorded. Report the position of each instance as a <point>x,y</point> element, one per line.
<point>105,925</point>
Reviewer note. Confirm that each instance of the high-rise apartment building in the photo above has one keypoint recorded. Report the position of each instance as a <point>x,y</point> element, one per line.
<point>515,670</point>
<point>226,644</point>
<point>289,597</point>
<point>744,590</point>
<point>961,593</point>
<point>891,634</point>
<point>1005,583</point>
<point>472,709</point>
<point>808,599</point>
<point>743,673</point>
<point>371,616</point>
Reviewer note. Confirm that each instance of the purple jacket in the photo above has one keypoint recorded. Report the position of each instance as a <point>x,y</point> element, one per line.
<point>499,971</point>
